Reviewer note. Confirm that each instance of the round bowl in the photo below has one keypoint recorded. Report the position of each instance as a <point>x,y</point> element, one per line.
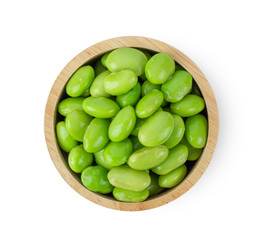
<point>89,56</point>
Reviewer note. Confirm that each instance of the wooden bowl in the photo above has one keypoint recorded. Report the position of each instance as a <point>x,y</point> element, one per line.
<point>90,55</point>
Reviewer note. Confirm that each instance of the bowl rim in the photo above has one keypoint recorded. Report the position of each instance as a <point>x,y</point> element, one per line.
<point>92,53</point>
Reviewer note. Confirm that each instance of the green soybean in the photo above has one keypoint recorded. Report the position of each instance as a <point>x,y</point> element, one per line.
<point>173,178</point>
<point>79,159</point>
<point>121,82</point>
<point>149,104</point>
<point>76,123</point>
<point>127,58</point>
<point>65,140</point>
<point>188,106</point>
<point>136,143</point>
<point>159,68</point>
<point>194,153</point>
<point>117,153</point>
<point>100,107</point>
<point>86,93</point>
<point>95,178</point>
<point>97,87</point>
<point>147,87</point>
<point>146,158</point>
<point>177,87</point>
<point>107,190</point>
<point>70,104</point>
<point>130,196</point>
<point>122,125</point>
<point>96,135</point>
<point>177,156</point>
<point>156,129</point>
<point>154,187</point>
<point>104,59</point>
<point>177,134</point>
<point>100,160</point>
<point>80,81</point>
<point>195,89</point>
<point>128,178</point>
<point>196,130</point>
<point>138,124</point>
<point>99,68</point>
<point>129,98</point>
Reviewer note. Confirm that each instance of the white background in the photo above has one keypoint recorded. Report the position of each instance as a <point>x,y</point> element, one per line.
<point>224,38</point>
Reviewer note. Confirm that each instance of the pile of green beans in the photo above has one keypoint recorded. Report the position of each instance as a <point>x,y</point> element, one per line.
<point>131,124</point>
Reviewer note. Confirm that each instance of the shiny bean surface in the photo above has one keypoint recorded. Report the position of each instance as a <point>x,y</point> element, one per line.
<point>117,153</point>
<point>129,98</point>
<point>130,196</point>
<point>194,153</point>
<point>127,58</point>
<point>138,124</point>
<point>100,107</point>
<point>178,86</point>
<point>146,158</point>
<point>147,87</point>
<point>188,106</point>
<point>79,159</point>
<point>65,140</point>
<point>196,130</point>
<point>149,104</point>
<point>159,68</point>
<point>76,123</point>
<point>156,129</point>
<point>177,156</point>
<point>97,87</point>
<point>80,81</point>
<point>68,105</point>
<point>95,179</point>
<point>96,135</point>
<point>100,160</point>
<point>122,125</point>
<point>173,178</point>
<point>178,132</point>
<point>121,82</point>
<point>128,178</point>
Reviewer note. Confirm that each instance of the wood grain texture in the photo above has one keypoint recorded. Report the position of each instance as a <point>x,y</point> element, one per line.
<point>88,55</point>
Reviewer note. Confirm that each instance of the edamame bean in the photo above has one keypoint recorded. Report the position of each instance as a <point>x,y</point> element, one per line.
<point>129,98</point>
<point>159,68</point>
<point>65,140</point>
<point>97,87</point>
<point>95,179</point>
<point>122,125</point>
<point>149,104</point>
<point>177,134</point>
<point>154,187</point>
<point>188,106</point>
<point>79,159</point>
<point>96,135</point>
<point>70,104</point>
<point>138,124</point>
<point>195,89</point>
<point>99,68</point>
<point>146,158</point>
<point>196,130</point>
<point>117,153</point>
<point>100,107</point>
<point>135,142</point>
<point>127,58</point>
<point>100,160</point>
<point>86,93</point>
<point>80,81</point>
<point>178,86</point>
<point>194,153</point>
<point>130,196</point>
<point>128,178</point>
<point>177,156</point>
<point>76,123</point>
<point>156,129</point>
<point>104,59</point>
<point>147,87</point>
<point>173,178</point>
<point>121,82</point>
